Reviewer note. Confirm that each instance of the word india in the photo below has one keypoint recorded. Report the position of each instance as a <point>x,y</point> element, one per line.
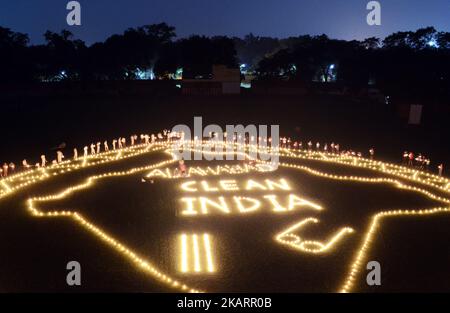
<point>204,205</point>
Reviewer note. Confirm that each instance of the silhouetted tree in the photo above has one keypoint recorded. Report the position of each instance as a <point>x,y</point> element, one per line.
<point>371,43</point>
<point>443,40</point>
<point>169,60</point>
<point>409,62</point>
<point>196,55</point>
<point>252,49</point>
<point>60,58</point>
<point>136,50</point>
<point>14,62</point>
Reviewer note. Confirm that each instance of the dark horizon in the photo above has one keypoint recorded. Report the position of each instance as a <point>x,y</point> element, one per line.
<point>101,19</point>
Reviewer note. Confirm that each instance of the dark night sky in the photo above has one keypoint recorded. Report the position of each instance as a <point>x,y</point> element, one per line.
<point>343,19</point>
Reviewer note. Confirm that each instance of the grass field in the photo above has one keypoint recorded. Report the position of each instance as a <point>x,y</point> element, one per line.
<point>147,219</point>
<point>34,125</point>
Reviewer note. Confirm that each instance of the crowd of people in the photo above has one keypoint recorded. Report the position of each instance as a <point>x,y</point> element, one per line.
<point>7,169</point>
<point>334,148</point>
<point>94,148</point>
<point>418,161</point>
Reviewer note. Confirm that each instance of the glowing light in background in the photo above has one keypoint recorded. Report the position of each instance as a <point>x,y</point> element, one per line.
<point>146,74</point>
<point>433,43</point>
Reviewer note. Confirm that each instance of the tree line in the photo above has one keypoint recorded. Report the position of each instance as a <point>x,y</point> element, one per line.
<point>119,57</point>
<point>412,62</point>
<point>402,60</point>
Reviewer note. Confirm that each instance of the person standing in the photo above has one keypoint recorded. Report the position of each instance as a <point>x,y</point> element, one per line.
<point>441,169</point>
<point>43,160</point>
<point>5,170</point>
<point>182,167</point>
<point>372,153</point>
<point>418,161</point>
<point>410,159</point>
<point>12,167</point>
<point>105,146</point>
<point>405,158</point>
<point>25,164</point>
<point>427,164</point>
<point>75,153</point>
<point>59,156</point>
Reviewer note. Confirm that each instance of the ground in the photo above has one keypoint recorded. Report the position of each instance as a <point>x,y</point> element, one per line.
<point>127,233</point>
<point>33,125</point>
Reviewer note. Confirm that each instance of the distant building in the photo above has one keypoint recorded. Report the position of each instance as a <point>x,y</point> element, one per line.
<point>224,81</point>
